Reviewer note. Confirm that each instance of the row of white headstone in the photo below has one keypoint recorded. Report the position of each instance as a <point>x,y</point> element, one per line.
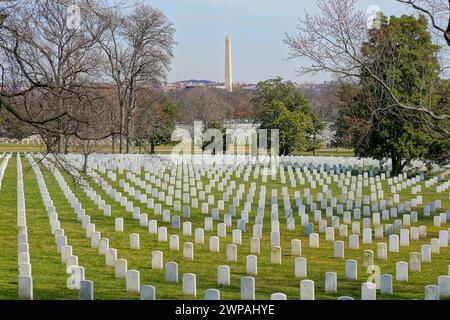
<point>111,259</point>
<point>24,263</point>
<point>391,240</point>
<point>3,166</point>
<point>76,279</point>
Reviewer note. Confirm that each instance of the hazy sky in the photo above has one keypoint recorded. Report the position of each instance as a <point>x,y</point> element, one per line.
<point>256,28</point>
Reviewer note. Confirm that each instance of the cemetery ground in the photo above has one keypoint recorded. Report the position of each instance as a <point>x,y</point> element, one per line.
<point>164,149</point>
<point>50,277</point>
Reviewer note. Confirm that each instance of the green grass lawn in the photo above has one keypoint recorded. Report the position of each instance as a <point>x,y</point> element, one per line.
<point>167,149</point>
<point>49,275</point>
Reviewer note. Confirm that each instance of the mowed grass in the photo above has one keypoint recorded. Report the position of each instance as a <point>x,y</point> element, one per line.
<point>49,274</point>
<point>164,149</point>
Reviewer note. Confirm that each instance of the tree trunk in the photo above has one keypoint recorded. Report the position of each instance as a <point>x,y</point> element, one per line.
<point>66,145</point>
<point>152,147</point>
<point>121,127</point>
<point>396,165</point>
<point>85,163</point>
<point>59,145</point>
<point>113,138</point>
<point>128,144</point>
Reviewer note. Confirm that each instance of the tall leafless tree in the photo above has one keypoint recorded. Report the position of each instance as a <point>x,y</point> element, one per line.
<point>48,68</point>
<point>138,48</point>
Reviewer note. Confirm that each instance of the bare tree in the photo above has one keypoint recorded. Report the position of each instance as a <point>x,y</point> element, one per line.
<point>238,104</point>
<point>324,99</point>
<point>48,67</point>
<point>202,104</point>
<point>138,48</point>
<point>155,120</point>
<point>332,41</point>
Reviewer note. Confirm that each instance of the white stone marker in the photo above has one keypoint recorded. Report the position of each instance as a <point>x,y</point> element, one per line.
<point>189,285</point>
<point>414,261</point>
<point>401,271</point>
<point>386,284</point>
<point>153,227</point>
<point>278,296</point>
<point>435,246</point>
<point>25,288</point>
<point>157,260</point>
<point>329,234</point>
<point>443,238</point>
<point>223,275</point>
<point>251,265</point>
<point>148,293</point>
<point>133,283</point>
<point>121,268</point>
<point>212,294</point>
<point>404,237</point>
<point>300,267</point>
<point>314,240</point>
<point>393,243</point>
<point>331,282</point>
<point>162,234</point>
<point>66,251</point>
<point>306,290</point>
<point>187,229</point>
<point>275,255</point>
<point>231,252</point>
<point>353,242</point>
<point>444,286</point>
<point>111,257</point>
<point>237,237</point>
<point>247,288</point>
<point>296,247</point>
<point>425,253</point>
<point>72,261</point>
<point>382,252</point>
<point>174,242</point>
<point>254,246</point>
<point>431,292</point>
<point>367,235</point>
<point>351,269</point>
<point>188,251</point>
<point>339,249</point>
<point>199,236</point>
<point>134,241</point>
<point>103,246</point>
<point>118,227</point>
<point>367,258</point>
<point>368,291</point>
<point>25,270</point>
<point>214,244</point>
<point>172,272</point>
<point>86,291</point>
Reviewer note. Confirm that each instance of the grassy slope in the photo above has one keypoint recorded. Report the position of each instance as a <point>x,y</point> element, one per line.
<point>49,274</point>
<point>8,232</point>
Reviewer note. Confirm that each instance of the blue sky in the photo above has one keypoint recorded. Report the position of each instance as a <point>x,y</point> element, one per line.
<point>256,28</point>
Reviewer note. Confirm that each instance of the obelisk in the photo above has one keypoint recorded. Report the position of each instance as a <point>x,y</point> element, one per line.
<point>228,68</point>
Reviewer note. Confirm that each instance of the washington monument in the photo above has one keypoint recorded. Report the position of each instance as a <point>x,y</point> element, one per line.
<point>228,66</point>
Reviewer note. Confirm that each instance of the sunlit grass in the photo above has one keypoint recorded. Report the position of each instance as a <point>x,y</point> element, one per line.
<point>49,273</point>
